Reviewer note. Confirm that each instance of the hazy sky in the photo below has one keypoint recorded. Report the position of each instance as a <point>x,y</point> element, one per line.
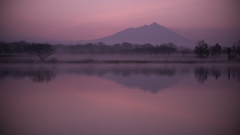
<point>46,20</point>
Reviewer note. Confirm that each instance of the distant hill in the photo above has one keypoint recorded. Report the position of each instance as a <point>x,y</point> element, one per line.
<point>154,34</point>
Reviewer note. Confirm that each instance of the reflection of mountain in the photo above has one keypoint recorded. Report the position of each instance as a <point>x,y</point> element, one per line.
<point>125,70</point>
<point>145,77</point>
<point>152,83</point>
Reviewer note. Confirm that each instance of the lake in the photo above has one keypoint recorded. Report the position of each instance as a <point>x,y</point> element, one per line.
<point>120,99</point>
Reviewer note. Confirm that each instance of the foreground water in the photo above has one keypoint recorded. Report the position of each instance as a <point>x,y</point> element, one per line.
<point>118,99</point>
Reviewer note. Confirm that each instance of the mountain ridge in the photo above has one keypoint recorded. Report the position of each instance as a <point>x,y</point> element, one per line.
<point>153,33</point>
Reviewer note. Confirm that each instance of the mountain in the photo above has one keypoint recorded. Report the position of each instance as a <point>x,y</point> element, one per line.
<point>154,34</point>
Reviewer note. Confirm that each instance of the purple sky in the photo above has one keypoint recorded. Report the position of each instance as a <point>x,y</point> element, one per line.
<point>58,20</point>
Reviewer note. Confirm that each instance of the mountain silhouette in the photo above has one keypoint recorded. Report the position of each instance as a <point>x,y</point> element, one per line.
<point>154,34</point>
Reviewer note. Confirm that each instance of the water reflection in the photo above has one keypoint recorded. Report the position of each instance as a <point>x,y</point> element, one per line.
<point>216,73</point>
<point>125,71</point>
<point>202,73</point>
<point>109,99</point>
<point>234,73</point>
<point>41,74</point>
<point>154,77</point>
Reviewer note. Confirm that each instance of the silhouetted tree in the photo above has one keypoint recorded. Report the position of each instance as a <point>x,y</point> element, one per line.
<point>172,48</point>
<point>5,48</point>
<point>126,47</point>
<point>116,48</point>
<point>147,48</point>
<point>216,49</point>
<point>101,48</point>
<point>41,50</point>
<point>19,47</point>
<point>184,50</point>
<point>225,49</point>
<point>167,48</point>
<point>236,48</point>
<point>201,49</point>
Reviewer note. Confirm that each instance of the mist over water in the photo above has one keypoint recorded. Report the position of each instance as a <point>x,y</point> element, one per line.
<point>119,67</point>
<point>121,99</point>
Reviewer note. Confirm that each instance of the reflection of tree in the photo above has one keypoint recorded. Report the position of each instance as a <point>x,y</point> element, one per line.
<point>46,74</point>
<point>38,75</point>
<point>234,73</point>
<point>201,74</point>
<point>43,75</point>
<point>126,71</point>
<point>216,73</point>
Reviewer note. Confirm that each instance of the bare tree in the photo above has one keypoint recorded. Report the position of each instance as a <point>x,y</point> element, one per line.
<point>41,50</point>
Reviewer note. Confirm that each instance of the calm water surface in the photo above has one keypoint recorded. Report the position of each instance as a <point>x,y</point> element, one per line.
<point>133,99</point>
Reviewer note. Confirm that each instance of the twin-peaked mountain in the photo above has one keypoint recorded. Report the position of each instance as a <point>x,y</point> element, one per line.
<point>154,34</point>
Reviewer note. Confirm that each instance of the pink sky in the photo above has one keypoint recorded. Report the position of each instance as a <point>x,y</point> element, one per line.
<point>54,20</point>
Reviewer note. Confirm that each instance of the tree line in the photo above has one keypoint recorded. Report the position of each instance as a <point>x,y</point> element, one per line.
<point>43,50</point>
